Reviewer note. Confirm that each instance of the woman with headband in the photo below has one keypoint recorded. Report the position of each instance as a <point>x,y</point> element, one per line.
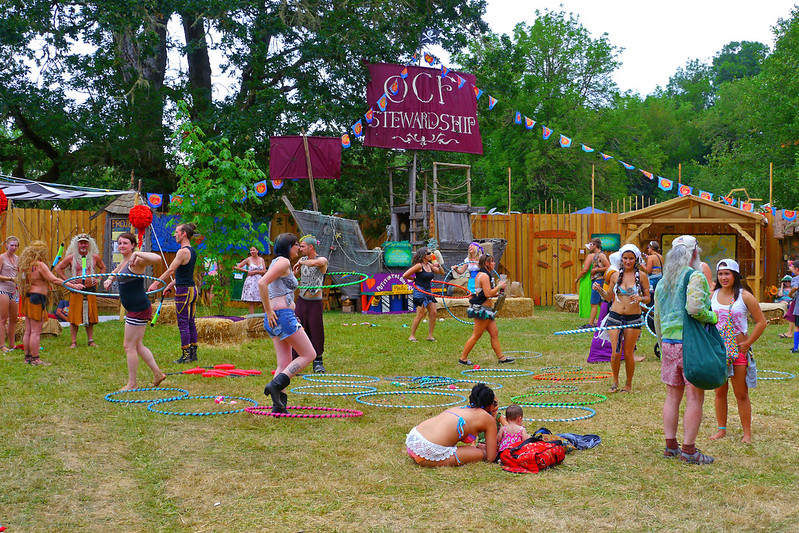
<point>470,264</point>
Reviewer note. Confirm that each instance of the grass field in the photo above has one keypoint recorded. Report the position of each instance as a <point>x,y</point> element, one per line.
<point>69,460</point>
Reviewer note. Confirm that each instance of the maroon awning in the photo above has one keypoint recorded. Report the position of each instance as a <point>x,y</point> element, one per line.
<point>287,157</point>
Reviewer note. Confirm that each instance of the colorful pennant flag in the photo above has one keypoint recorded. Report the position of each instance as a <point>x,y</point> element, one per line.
<point>628,167</point>
<point>518,119</point>
<point>260,187</point>
<point>175,199</point>
<point>155,200</point>
<point>370,115</point>
<point>747,206</point>
<point>430,59</point>
<point>774,211</point>
<point>684,190</point>
<point>587,148</point>
<point>605,157</point>
<point>461,82</point>
<point>546,132</point>
<point>394,87</point>
<point>564,141</point>
<point>788,215</point>
<point>414,59</point>
<point>444,71</point>
<point>276,184</point>
<point>345,141</point>
<point>705,195</point>
<point>404,73</point>
<point>647,174</point>
<point>478,93</point>
<point>382,102</point>
<point>529,123</point>
<point>357,128</point>
<point>728,201</point>
<point>665,184</point>
<point>491,102</point>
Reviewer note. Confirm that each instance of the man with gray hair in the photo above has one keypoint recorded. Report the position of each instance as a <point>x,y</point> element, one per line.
<point>83,257</point>
<point>673,297</point>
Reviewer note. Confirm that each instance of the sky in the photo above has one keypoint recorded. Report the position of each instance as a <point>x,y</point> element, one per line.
<point>657,37</point>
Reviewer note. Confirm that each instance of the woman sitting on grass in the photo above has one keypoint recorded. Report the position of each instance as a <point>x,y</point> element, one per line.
<point>434,442</point>
<point>139,309</point>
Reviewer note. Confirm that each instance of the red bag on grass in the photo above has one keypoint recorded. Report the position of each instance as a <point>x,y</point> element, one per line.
<point>531,456</point>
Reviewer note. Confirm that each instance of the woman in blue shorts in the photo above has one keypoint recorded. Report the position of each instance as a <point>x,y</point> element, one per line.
<point>277,294</point>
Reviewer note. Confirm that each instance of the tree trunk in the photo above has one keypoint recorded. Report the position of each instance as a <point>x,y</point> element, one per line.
<point>199,63</point>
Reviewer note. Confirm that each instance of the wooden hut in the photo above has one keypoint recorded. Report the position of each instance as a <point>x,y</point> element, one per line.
<point>722,231</point>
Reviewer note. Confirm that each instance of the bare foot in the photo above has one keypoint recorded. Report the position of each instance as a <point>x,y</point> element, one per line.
<point>92,344</point>
<point>720,435</point>
<point>638,358</point>
<point>128,387</point>
<point>747,439</point>
<point>73,345</point>
<point>157,381</point>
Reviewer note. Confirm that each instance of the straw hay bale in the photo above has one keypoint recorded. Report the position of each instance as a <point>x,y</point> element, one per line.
<point>255,328</point>
<point>218,331</point>
<point>513,307</point>
<point>108,304</point>
<point>774,311</point>
<point>50,327</point>
<point>566,302</point>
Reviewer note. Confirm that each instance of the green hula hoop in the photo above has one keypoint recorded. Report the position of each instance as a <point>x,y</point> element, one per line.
<point>345,274</point>
<point>108,294</point>
<point>516,399</point>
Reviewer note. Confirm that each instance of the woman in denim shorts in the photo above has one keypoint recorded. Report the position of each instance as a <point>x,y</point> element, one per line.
<point>277,294</point>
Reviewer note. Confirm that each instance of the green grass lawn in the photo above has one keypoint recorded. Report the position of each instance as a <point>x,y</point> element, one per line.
<point>69,460</point>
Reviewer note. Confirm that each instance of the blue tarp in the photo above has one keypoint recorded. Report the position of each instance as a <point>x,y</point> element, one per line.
<point>587,211</point>
<point>162,238</point>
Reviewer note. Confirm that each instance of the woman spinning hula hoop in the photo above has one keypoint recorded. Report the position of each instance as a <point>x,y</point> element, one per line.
<point>482,312</point>
<point>185,291</point>
<point>277,294</point>
<point>138,307</point>
<point>422,272</point>
<point>470,264</point>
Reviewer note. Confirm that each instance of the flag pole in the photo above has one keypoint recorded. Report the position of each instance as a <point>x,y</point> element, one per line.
<point>509,190</point>
<point>771,184</point>
<point>310,171</point>
<point>592,189</point>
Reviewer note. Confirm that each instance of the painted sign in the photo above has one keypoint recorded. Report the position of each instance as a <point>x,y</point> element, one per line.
<point>555,234</point>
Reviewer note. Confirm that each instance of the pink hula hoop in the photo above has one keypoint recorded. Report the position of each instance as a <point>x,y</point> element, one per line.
<point>468,294</point>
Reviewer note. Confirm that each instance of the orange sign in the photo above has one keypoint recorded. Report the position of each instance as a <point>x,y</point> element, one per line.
<point>555,234</point>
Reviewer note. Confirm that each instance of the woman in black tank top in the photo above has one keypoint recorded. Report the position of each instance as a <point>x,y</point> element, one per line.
<point>425,266</point>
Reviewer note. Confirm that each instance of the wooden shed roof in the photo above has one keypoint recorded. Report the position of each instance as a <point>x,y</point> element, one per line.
<point>690,209</point>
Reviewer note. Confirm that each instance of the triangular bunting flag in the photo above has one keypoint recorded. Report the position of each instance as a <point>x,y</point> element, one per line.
<point>175,199</point>
<point>605,157</point>
<point>491,102</point>
<point>546,132</point>
<point>529,123</point>
<point>276,184</point>
<point>394,88</point>
<point>705,195</point>
<point>665,184</point>
<point>478,93</point>
<point>357,128</point>
<point>518,118</point>
<point>564,141</point>
<point>587,148</point>
<point>728,201</point>
<point>647,174</point>
<point>260,187</point>
<point>430,59</point>
<point>628,167</point>
<point>788,215</point>
<point>370,115</point>
<point>684,190</point>
<point>444,71</point>
<point>345,141</point>
<point>382,102</point>
<point>747,206</point>
<point>461,82</point>
<point>774,211</point>
<point>404,73</point>
<point>155,200</point>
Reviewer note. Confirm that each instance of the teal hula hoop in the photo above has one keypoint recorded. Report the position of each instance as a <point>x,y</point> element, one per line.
<point>504,372</point>
<point>360,399</point>
<point>516,399</point>
<point>306,390</point>
<point>110,396</point>
<point>324,378</point>
<point>364,277</point>
<point>151,407</point>
<point>108,294</point>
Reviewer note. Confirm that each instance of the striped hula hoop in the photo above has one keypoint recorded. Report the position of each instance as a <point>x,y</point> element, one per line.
<point>108,294</point>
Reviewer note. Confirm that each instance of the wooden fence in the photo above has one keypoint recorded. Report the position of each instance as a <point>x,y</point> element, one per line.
<point>545,252</point>
<point>52,227</point>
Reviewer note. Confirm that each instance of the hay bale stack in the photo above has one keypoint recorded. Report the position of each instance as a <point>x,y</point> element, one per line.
<point>773,311</point>
<point>51,326</point>
<point>513,308</point>
<point>567,302</point>
<point>108,304</point>
<point>168,314</point>
<point>218,331</point>
<point>255,328</point>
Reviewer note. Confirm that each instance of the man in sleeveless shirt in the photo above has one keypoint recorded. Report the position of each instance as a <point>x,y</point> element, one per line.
<point>83,257</point>
<point>312,267</point>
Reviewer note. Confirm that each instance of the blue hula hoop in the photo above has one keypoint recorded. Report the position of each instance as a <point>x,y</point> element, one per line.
<point>505,372</point>
<point>785,375</point>
<point>553,388</point>
<point>591,413</point>
<point>564,368</point>
<point>151,407</point>
<point>536,356</point>
<point>494,386</point>
<point>360,399</point>
<point>323,378</point>
<point>306,390</point>
<point>108,294</point>
<point>110,396</point>
<point>468,290</point>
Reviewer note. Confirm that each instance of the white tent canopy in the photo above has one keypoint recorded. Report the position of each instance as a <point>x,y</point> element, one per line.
<point>17,189</point>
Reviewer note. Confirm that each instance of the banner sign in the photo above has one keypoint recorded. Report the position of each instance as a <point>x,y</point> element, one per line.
<point>426,110</point>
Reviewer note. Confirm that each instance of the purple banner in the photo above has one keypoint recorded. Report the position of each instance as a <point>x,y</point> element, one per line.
<point>423,110</point>
<point>383,283</point>
<point>288,160</point>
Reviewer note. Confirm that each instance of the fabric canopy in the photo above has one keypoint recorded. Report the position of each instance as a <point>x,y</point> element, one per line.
<point>287,159</point>
<point>18,189</point>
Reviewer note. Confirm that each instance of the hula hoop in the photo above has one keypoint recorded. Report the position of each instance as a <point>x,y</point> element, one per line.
<point>557,387</point>
<point>425,382</point>
<point>338,412</point>
<point>151,407</point>
<point>306,390</point>
<point>445,298</point>
<point>504,372</point>
<point>536,356</point>
<point>345,274</point>
<point>323,378</point>
<point>416,287</point>
<point>110,396</point>
<point>786,375</point>
<point>453,386</point>
<point>554,376</point>
<point>360,399</point>
<point>109,294</point>
<point>590,414</point>
<point>601,398</point>
<point>564,368</point>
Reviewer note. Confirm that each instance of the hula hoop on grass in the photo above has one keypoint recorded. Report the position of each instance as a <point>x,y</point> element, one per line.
<point>337,412</point>
<point>516,399</point>
<point>425,382</point>
<point>504,372</point>
<point>590,414</point>
<point>306,390</point>
<point>110,396</point>
<point>364,277</point>
<point>557,376</point>
<point>324,378</point>
<point>445,298</point>
<point>108,294</point>
<point>494,386</point>
<point>784,376</point>
<point>564,368</point>
<point>151,407</point>
<point>360,399</point>
<point>536,356</point>
<point>553,388</point>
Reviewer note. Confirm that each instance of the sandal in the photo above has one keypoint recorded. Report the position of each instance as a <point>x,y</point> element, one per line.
<point>613,389</point>
<point>466,362</point>
<point>783,336</point>
<point>696,458</point>
<point>671,453</point>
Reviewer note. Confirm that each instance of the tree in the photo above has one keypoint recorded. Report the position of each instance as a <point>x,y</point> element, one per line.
<point>738,60</point>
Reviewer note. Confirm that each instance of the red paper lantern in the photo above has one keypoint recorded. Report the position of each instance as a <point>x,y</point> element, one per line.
<point>3,202</point>
<point>140,218</point>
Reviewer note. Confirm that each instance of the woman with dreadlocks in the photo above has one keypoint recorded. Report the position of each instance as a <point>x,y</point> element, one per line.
<point>629,288</point>
<point>32,278</point>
